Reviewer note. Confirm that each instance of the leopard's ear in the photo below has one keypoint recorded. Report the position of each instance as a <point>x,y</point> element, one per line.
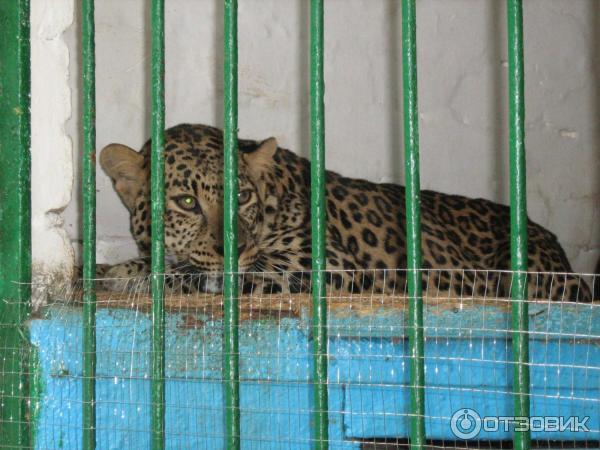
<point>260,159</point>
<point>125,167</point>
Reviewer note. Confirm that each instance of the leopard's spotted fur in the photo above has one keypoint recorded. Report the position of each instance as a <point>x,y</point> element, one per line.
<point>365,223</point>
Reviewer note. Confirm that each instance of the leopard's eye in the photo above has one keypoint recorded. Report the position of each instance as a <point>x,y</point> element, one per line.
<point>187,202</point>
<point>244,196</point>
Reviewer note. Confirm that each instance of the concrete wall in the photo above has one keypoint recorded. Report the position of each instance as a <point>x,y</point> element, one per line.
<point>462,94</point>
<point>52,155</point>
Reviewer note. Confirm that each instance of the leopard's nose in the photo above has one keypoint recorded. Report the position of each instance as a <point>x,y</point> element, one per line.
<point>220,251</point>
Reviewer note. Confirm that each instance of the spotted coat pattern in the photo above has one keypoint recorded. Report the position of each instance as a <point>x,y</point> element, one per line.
<point>463,239</point>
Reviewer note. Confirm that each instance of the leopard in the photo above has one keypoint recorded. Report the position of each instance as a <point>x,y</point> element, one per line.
<point>465,242</point>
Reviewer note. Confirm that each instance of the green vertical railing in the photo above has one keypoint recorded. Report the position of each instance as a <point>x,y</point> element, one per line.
<point>157,171</point>
<point>318,224</point>
<point>89,225</point>
<point>15,219</point>
<point>15,252</point>
<point>518,218</point>
<point>413,224</point>
<point>230,217</point>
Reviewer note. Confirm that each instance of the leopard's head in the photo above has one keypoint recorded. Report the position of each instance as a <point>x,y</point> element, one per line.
<point>194,197</point>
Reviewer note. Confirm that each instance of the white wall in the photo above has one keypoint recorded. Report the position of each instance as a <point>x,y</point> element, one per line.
<point>462,95</point>
<point>52,156</point>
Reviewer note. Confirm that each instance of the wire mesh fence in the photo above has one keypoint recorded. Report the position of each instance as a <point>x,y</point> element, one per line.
<point>468,363</point>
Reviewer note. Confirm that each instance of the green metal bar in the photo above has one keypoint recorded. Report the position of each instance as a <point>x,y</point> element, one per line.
<point>230,235</point>
<point>158,227</point>
<point>518,218</point>
<point>413,224</point>
<point>318,225</point>
<point>89,225</point>
<point>15,220</point>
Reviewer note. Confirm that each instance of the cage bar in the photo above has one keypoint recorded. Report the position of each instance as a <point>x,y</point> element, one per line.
<point>413,224</point>
<point>89,225</point>
<point>518,218</point>
<point>15,220</point>
<point>230,236</point>
<point>318,225</point>
<point>158,226</point>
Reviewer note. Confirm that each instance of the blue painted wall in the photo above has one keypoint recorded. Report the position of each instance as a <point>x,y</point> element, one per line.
<point>468,355</point>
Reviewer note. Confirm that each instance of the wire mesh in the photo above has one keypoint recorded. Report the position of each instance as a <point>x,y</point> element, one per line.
<point>467,359</point>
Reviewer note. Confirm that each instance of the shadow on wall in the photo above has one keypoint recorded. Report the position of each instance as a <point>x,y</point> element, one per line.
<point>498,103</point>
<point>75,65</point>
<point>595,58</point>
<point>303,77</point>
<point>394,88</point>
<point>147,33</point>
<point>218,88</point>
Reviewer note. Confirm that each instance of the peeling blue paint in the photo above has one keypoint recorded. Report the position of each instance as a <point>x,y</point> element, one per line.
<point>368,376</point>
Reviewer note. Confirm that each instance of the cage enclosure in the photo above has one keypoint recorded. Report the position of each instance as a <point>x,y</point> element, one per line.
<point>444,347</point>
